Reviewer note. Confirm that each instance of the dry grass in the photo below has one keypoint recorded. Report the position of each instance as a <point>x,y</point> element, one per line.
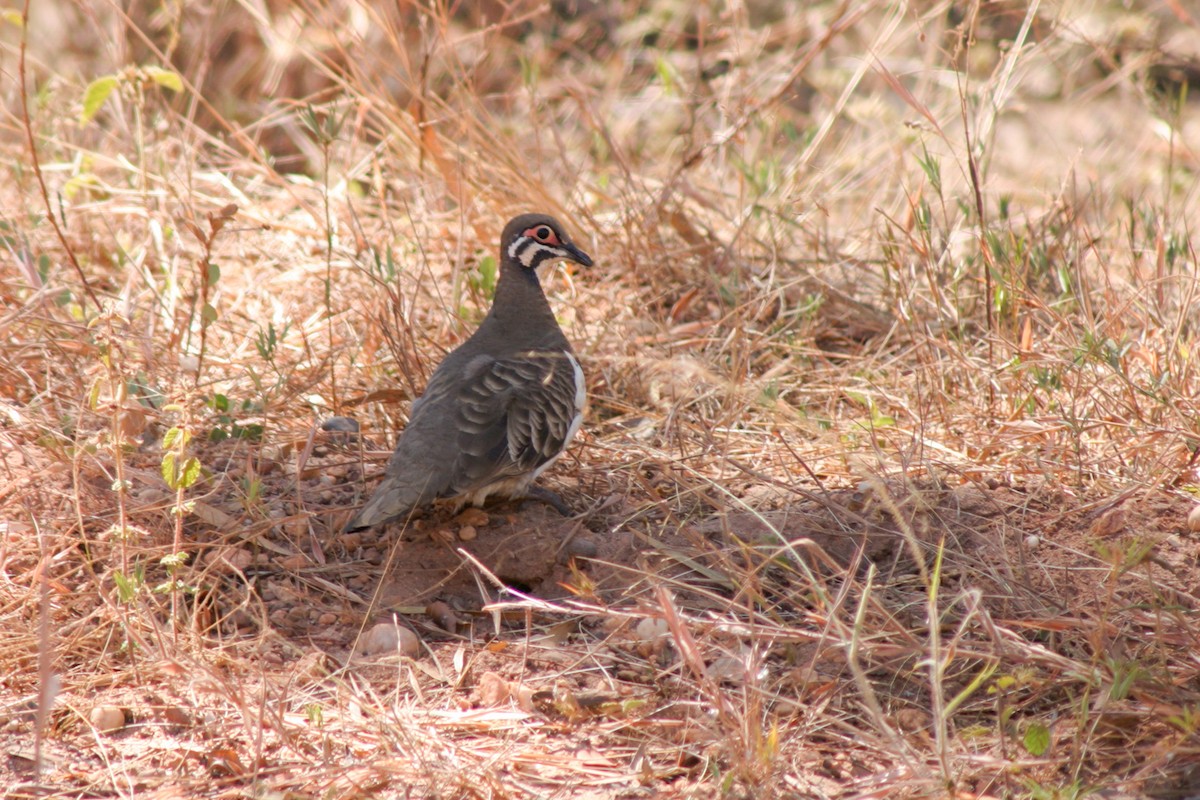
<point>892,441</point>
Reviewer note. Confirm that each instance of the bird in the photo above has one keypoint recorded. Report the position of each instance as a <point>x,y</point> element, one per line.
<point>502,406</point>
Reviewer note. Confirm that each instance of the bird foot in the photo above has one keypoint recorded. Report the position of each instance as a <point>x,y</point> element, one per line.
<point>542,495</point>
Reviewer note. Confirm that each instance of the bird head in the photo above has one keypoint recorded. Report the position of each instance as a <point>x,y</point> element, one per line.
<point>530,240</point>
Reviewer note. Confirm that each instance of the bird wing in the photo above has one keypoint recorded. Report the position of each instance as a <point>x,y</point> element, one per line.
<point>515,414</point>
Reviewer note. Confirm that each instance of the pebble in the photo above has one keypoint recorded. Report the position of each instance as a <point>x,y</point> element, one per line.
<point>390,637</point>
<point>107,719</point>
<point>650,628</point>
<point>340,424</point>
<point>582,547</point>
<point>726,669</point>
<point>475,517</point>
<point>230,558</point>
<point>294,562</point>
<point>1193,521</point>
<point>467,533</point>
<point>442,615</point>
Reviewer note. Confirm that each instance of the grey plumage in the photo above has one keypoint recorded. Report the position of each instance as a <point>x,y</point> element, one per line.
<point>503,405</point>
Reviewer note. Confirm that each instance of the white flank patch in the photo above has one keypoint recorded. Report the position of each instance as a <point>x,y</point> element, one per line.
<point>576,421</point>
<point>580,398</point>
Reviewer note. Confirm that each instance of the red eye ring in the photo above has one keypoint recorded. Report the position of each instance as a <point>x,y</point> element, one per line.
<point>543,233</point>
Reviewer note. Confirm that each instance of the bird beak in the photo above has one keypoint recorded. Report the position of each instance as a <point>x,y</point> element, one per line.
<point>577,255</point>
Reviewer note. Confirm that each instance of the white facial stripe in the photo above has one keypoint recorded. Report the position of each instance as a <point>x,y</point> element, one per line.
<point>527,250</point>
<point>516,246</point>
<point>528,254</point>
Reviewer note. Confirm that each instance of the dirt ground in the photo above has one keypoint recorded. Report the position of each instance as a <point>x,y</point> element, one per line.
<point>530,619</point>
<point>888,482</point>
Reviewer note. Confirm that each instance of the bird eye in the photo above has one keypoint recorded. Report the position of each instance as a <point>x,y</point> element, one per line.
<point>543,233</point>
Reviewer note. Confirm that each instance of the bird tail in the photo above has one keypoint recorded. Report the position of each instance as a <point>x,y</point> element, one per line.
<point>393,498</point>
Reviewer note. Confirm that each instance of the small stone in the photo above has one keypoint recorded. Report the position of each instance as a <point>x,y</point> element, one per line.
<point>467,533</point>
<point>294,562</point>
<point>911,720</point>
<point>1193,521</point>
<point>244,621</point>
<point>340,425</point>
<point>1033,541</point>
<point>475,517</point>
<point>582,547</point>
<point>174,715</point>
<point>726,669</point>
<point>493,690</point>
<point>313,666</point>
<point>350,541</point>
<point>650,628</point>
<point>107,719</point>
<point>654,638</point>
<point>390,637</point>
<point>1110,523</point>
<point>327,619</point>
<point>442,615</point>
<point>229,558</point>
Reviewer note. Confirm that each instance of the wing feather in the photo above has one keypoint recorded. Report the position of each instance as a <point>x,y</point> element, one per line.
<point>514,416</point>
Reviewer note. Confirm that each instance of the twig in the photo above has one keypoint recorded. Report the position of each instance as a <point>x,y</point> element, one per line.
<point>37,166</point>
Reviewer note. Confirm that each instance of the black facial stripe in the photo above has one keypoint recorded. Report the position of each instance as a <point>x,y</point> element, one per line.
<point>535,252</point>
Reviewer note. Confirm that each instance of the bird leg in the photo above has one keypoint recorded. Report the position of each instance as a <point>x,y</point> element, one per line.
<point>544,495</point>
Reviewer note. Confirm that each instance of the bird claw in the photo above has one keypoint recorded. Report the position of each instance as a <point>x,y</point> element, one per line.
<point>552,499</point>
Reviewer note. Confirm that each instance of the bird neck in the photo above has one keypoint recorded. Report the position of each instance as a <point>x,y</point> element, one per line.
<point>520,312</point>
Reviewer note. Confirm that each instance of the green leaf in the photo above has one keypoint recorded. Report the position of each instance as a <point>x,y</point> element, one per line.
<point>95,96</point>
<point>191,473</point>
<point>169,472</point>
<point>128,585</point>
<point>176,439</point>
<point>253,432</point>
<point>666,75</point>
<point>165,78</point>
<point>1037,739</point>
<point>12,17</point>
<point>214,274</point>
<point>487,275</point>
<point>94,395</point>
<point>208,314</point>
<point>858,397</point>
<point>1003,683</point>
